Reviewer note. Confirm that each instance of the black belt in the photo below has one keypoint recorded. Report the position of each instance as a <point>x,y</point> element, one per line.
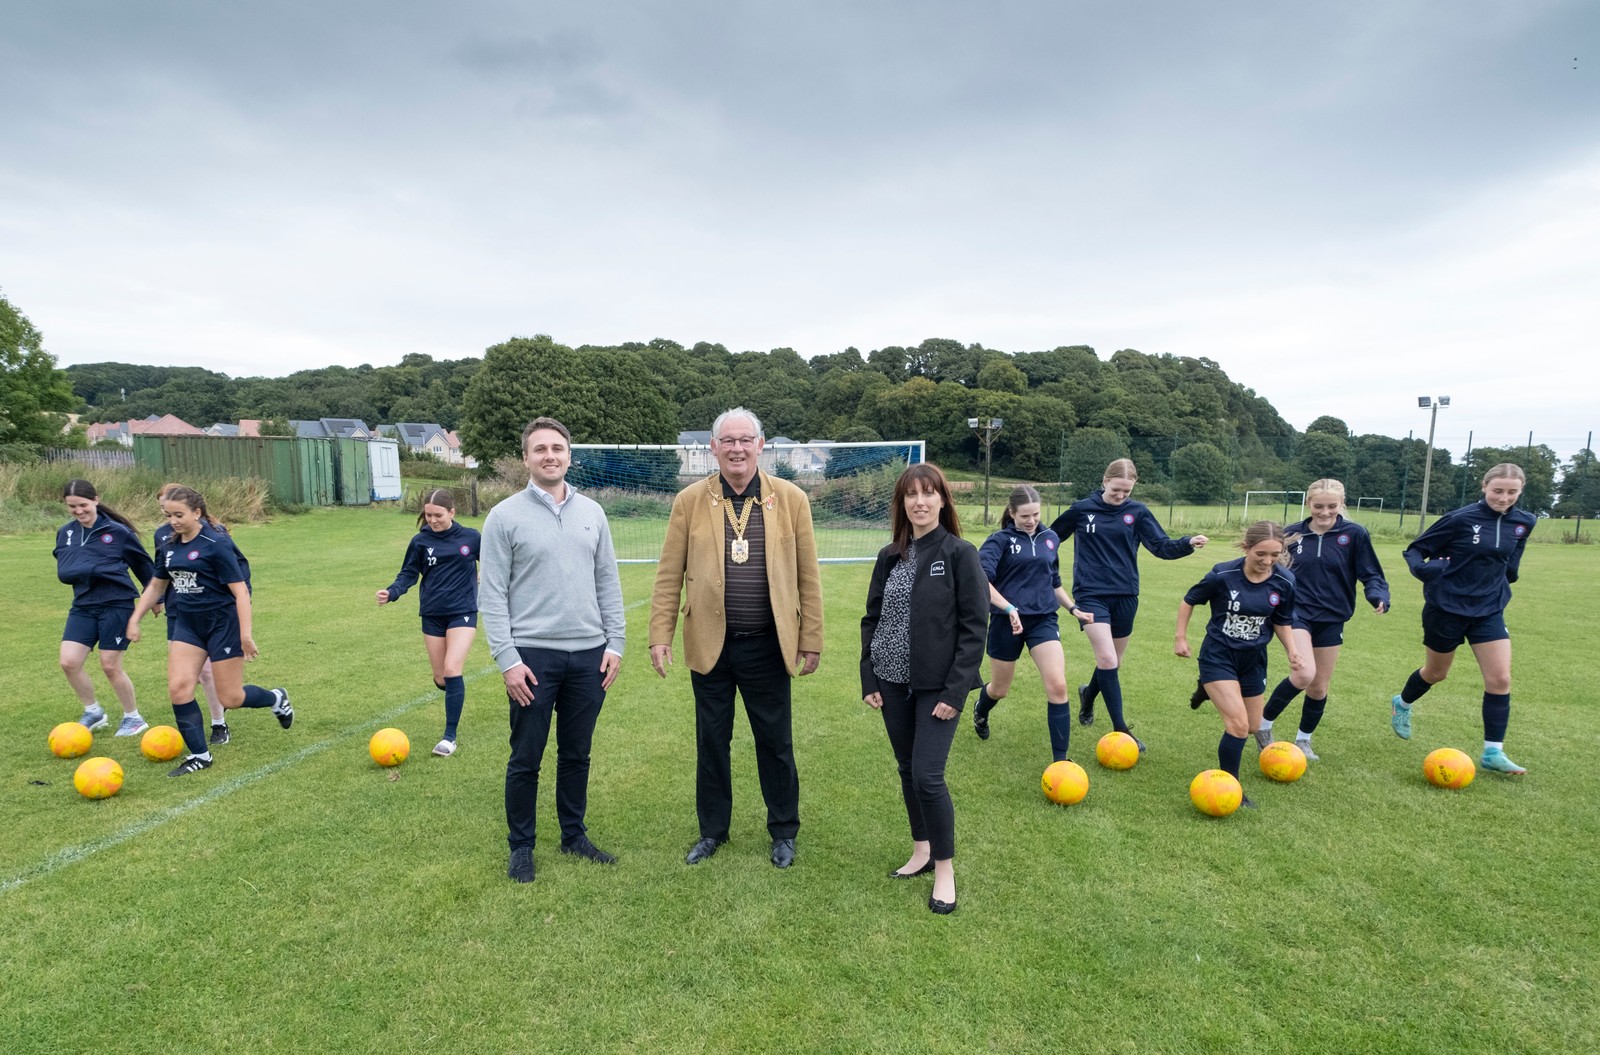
<point>752,633</point>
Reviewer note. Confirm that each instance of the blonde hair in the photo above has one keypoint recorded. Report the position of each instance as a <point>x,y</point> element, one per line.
<point>1326,487</point>
<point>1260,532</point>
<point>1505,470</point>
<point>1121,469</point>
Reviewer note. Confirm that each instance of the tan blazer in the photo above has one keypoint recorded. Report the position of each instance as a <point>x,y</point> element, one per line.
<point>691,571</point>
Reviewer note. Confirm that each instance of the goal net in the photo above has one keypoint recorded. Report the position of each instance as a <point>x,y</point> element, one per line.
<point>851,486</point>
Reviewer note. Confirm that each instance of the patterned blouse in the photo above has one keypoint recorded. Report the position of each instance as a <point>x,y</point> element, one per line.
<point>891,641</point>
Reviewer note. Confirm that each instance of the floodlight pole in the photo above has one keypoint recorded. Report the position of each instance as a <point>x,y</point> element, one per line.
<point>1427,464</point>
<point>985,428</point>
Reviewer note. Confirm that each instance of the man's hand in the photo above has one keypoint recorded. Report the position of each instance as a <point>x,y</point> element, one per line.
<point>661,658</point>
<point>808,662</point>
<point>610,664</point>
<point>520,683</point>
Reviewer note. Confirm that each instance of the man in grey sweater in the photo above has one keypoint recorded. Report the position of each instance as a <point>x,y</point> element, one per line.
<point>550,603</point>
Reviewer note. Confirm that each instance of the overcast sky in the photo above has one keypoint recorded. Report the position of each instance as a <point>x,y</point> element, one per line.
<point>1345,204</point>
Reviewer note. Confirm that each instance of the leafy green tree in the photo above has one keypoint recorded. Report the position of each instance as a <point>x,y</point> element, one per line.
<point>1201,473</point>
<point>1323,455</point>
<point>34,395</point>
<point>1580,487</point>
<point>1001,375</point>
<point>1328,425</point>
<point>1089,451</point>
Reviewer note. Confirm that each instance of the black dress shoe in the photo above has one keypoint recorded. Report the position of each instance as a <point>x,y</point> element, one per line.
<point>582,847</point>
<point>782,853</point>
<point>942,908</point>
<point>521,866</point>
<point>702,850</point>
<point>924,870</point>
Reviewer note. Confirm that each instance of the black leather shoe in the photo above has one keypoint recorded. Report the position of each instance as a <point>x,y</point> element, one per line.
<point>942,908</point>
<point>924,870</point>
<point>702,850</point>
<point>1085,713</point>
<point>782,853</point>
<point>521,866</point>
<point>582,847</point>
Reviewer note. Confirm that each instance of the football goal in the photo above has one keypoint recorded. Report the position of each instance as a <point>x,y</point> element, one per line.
<point>851,486</point>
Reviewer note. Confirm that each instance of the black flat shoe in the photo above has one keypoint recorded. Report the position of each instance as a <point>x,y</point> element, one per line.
<point>924,870</point>
<point>942,908</point>
<point>703,849</point>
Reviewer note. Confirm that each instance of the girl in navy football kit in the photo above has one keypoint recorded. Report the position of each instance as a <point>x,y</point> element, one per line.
<point>1467,562</point>
<point>219,714</point>
<point>1110,527</point>
<point>1024,577</point>
<point>444,555</point>
<point>94,554</point>
<point>209,618</point>
<point>1252,601</point>
<point>1329,555</point>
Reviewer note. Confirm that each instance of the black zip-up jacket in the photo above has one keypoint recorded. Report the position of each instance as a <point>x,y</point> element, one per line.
<point>949,617</point>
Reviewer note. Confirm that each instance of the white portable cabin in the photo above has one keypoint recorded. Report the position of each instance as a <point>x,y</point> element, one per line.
<point>385,458</point>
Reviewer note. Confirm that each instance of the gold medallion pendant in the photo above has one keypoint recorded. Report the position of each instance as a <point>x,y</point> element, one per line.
<point>739,550</point>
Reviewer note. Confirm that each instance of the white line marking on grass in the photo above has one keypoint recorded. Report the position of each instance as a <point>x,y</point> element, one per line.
<point>60,859</point>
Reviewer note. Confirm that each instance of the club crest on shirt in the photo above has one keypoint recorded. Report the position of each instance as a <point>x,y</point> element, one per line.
<point>194,554</point>
<point>1343,540</point>
<point>1127,518</point>
<point>465,550</point>
<point>106,538</point>
<point>1049,543</point>
<point>1519,531</point>
<point>936,568</point>
<point>1273,598</point>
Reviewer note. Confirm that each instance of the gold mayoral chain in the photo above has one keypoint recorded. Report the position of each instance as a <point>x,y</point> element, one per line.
<point>739,548</point>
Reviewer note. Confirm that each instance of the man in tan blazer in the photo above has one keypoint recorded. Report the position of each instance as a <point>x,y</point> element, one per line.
<point>741,559</point>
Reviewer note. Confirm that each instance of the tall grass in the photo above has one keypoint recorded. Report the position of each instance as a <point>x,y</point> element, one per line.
<point>30,495</point>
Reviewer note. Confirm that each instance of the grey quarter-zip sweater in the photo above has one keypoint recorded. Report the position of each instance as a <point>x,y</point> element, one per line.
<point>549,577</point>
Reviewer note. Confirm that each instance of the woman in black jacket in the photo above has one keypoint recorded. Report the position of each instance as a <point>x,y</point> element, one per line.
<point>921,647</point>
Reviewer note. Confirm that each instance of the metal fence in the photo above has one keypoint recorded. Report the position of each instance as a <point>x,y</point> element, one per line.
<point>98,458</point>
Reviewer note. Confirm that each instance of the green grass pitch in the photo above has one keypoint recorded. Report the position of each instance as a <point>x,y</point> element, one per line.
<point>298,898</point>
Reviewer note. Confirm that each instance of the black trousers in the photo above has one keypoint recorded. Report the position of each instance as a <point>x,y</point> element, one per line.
<point>753,666</point>
<point>569,692</point>
<point>921,746</point>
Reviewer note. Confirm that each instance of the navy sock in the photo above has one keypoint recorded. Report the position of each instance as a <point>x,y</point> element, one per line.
<point>985,703</point>
<point>1311,714</point>
<point>1496,716</point>
<point>191,726</point>
<point>1059,717</point>
<point>1094,686</point>
<point>1229,752</point>
<point>1281,697</point>
<point>1415,688</point>
<point>455,695</point>
<point>1111,688</point>
<point>256,696</point>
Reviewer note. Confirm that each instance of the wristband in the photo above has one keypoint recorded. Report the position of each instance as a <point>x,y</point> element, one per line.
<point>1009,609</point>
<point>1072,608</point>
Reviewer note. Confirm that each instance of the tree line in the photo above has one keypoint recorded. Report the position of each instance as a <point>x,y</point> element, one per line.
<point>1196,434</point>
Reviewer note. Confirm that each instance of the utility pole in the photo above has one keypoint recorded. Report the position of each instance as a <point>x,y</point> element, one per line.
<point>986,428</point>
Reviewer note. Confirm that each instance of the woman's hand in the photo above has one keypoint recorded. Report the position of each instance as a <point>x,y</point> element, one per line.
<point>1083,615</point>
<point>1016,621</point>
<point>1198,541</point>
<point>1180,647</point>
<point>132,632</point>
<point>1296,662</point>
<point>944,712</point>
<point>247,648</point>
<point>873,700</point>
<point>383,596</point>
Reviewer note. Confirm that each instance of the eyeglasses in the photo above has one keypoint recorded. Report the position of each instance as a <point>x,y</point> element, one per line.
<point>739,441</point>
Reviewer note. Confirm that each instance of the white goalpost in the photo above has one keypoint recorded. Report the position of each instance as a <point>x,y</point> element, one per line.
<point>1284,518</point>
<point>850,485</point>
<point>1360,502</point>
